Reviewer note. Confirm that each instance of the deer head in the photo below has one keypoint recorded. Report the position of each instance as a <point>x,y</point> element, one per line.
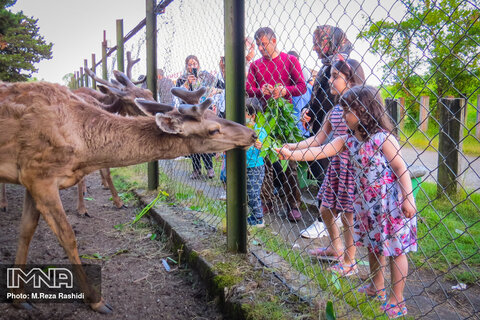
<point>196,120</point>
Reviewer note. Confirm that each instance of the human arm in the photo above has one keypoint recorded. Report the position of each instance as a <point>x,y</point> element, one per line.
<point>313,153</point>
<point>315,141</point>
<point>252,87</point>
<point>391,150</point>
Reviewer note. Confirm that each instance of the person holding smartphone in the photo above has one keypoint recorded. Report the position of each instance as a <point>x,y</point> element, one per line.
<point>192,79</point>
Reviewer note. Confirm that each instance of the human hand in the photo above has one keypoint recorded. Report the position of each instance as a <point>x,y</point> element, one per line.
<point>290,146</point>
<point>267,89</point>
<point>305,118</point>
<point>279,92</point>
<point>258,144</point>
<point>283,153</point>
<point>408,207</point>
<point>191,79</point>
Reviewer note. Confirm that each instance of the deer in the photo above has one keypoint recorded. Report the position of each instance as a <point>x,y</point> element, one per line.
<point>51,138</point>
<point>115,96</point>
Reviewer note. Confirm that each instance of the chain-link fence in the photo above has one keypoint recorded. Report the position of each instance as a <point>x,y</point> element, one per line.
<point>423,59</point>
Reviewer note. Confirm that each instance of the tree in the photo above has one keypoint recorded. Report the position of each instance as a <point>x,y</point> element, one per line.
<point>434,50</point>
<point>21,45</point>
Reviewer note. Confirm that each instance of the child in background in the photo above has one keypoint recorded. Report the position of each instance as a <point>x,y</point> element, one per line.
<point>384,207</point>
<point>336,192</point>
<point>255,166</point>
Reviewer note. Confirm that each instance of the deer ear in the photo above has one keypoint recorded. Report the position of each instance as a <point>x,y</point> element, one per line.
<point>169,124</point>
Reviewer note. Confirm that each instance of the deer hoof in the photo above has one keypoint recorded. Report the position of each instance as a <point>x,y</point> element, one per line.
<point>23,305</point>
<point>119,205</point>
<point>83,214</point>
<point>102,307</point>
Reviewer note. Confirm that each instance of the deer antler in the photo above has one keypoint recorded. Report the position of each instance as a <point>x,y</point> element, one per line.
<point>130,64</point>
<point>190,97</point>
<point>97,79</point>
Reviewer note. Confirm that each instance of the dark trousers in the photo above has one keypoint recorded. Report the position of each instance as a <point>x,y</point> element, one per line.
<point>286,183</point>
<point>207,160</point>
<point>255,177</point>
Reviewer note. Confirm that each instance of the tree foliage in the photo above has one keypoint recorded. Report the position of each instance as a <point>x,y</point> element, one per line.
<point>434,50</point>
<point>21,45</point>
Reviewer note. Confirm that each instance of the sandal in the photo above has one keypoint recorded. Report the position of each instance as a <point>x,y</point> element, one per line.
<point>379,295</point>
<point>344,270</point>
<point>322,253</point>
<point>394,311</point>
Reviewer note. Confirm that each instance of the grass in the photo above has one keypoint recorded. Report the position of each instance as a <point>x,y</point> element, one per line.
<point>449,234</point>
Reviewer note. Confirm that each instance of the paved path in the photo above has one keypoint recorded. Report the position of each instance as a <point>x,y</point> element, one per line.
<point>470,166</point>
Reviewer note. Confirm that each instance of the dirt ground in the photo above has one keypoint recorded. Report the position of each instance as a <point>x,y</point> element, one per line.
<point>134,282</point>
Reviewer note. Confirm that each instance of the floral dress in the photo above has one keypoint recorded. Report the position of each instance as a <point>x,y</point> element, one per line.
<point>379,223</point>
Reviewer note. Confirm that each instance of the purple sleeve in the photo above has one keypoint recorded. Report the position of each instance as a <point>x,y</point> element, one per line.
<point>296,76</point>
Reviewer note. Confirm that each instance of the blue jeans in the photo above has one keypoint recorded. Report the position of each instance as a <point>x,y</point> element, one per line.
<point>255,177</point>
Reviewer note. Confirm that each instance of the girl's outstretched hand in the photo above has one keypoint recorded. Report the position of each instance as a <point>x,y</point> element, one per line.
<point>408,207</point>
<point>290,146</point>
<point>283,153</point>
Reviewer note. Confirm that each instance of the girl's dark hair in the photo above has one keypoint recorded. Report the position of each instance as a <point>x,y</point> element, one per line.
<point>191,57</point>
<point>367,104</point>
<point>352,69</point>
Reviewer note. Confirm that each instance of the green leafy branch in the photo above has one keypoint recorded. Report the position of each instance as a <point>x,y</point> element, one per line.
<point>279,123</point>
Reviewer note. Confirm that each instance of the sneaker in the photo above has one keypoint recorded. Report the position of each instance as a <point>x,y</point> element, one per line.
<point>195,175</point>
<point>294,215</point>
<point>314,231</point>
<point>211,173</point>
<point>222,196</point>
<point>255,222</point>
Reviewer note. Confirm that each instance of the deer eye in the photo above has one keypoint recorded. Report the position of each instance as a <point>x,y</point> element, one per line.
<point>214,131</point>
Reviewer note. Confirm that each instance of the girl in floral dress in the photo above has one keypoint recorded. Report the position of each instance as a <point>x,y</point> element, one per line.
<point>384,207</point>
<point>336,192</point>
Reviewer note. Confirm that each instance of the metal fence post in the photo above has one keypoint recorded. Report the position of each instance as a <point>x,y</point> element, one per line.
<point>94,69</point>
<point>449,145</point>
<point>235,109</point>
<point>85,66</point>
<point>104,56</point>
<point>81,77</point>
<point>120,49</point>
<point>151,39</point>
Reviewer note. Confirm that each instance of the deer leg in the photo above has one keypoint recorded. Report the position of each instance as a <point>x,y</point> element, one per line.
<point>81,208</point>
<point>28,225</point>
<point>104,179</point>
<point>116,199</point>
<point>47,199</point>
<point>3,197</point>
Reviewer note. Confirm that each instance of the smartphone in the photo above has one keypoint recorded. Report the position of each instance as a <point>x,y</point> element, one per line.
<point>195,72</point>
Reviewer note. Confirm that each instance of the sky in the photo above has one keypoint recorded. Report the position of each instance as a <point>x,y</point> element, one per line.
<point>194,27</point>
<point>76,29</point>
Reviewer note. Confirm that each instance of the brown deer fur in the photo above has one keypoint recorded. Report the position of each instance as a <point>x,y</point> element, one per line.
<point>51,138</point>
